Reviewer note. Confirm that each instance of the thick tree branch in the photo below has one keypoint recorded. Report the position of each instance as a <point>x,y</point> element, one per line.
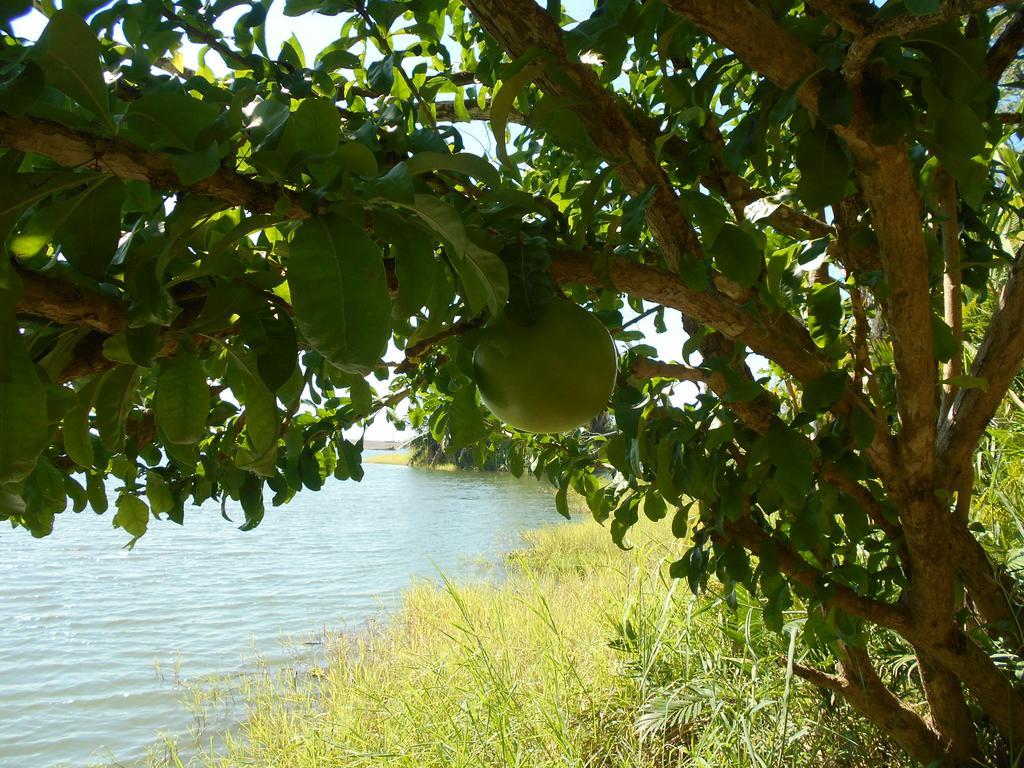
<point>992,590</point>
<point>776,336</point>
<point>851,15</point>
<point>949,709</point>
<point>64,303</point>
<point>1006,47</point>
<point>646,368</point>
<point>996,694</point>
<point>889,186</point>
<point>120,158</point>
<point>869,696</point>
<point>903,25</point>
<point>447,113</point>
<point>522,25</point>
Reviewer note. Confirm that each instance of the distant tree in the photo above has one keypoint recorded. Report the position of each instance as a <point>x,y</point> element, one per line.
<point>203,266</point>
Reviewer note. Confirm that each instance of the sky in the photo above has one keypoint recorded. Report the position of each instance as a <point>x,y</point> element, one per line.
<point>314,32</point>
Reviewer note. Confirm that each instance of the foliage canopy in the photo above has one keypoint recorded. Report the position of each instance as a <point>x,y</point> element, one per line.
<point>206,262</point>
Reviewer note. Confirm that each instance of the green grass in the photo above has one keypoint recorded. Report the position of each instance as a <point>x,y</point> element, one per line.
<point>583,656</point>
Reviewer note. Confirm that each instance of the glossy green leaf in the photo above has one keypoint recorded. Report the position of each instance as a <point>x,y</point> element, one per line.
<point>24,427</point>
<point>465,422</point>
<point>654,506</point>
<point>737,255</point>
<point>161,500</point>
<point>483,275</point>
<point>460,162</point>
<point>169,120</point>
<point>193,167</point>
<point>824,168</point>
<point>271,337</point>
<point>69,55</point>
<point>793,457</point>
<point>114,399</point>
<point>501,107</point>
<point>262,420</point>
<point>132,516</point>
<point>339,292</point>
<point>75,428</point>
<point>181,403</point>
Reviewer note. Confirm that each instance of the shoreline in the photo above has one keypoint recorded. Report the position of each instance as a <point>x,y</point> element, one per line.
<point>581,655</point>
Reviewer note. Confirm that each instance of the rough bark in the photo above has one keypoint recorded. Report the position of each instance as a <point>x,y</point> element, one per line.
<point>869,696</point>
<point>949,710</point>
<point>74,149</point>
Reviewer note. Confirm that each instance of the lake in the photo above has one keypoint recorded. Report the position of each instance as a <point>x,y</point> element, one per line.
<point>94,638</point>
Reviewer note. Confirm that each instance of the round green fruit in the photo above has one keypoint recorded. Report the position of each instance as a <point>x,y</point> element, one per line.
<point>552,376</point>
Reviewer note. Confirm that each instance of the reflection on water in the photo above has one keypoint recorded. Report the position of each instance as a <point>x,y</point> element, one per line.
<point>92,636</point>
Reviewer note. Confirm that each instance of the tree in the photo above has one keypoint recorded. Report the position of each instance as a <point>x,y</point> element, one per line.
<point>818,188</point>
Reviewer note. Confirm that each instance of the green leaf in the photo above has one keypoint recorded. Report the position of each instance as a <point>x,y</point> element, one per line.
<point>350,460</point>
<point>313,129</point>
<point>665,454</point>
<point>416,266</point>
<point>77,439</point>
<point>271,337</point>
<point>394,186</point>
<point>355,157</point>
<point>822,392</point>
<point>96,490</point>
<point>169,120</point>
<point>251,496</point>
<point>465,422</point>
<point>561,499</point>
<point>69,55</point>
<point>968,382</point>
<point>193,167</point>
<point>181,404</point>
<point>709,214</point>
<point>824,168</point>
<point>24,427</point>
<point>737,255</point>
<point>862,427</point>
<point>825,313</point>
<point>681,521</point>
<point>161,500</point>
<point>944,341</point>
<point>654,506</point>
<point>339,292</point>
<point>793,457</point>
<point>482,273</point>
<point>460,162</point>
<point>114,401</point>
<point>87,225</point>
<point>132,516</point>
<point>922,7</point>
<point>835,100</point>
<point>90,233</point>
<point>17,95</point>
<point>380,75</point>
<point>501,107</point>
<point>262,421</point>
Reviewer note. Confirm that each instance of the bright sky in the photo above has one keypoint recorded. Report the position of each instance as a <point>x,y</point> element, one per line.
<point>314,32</point>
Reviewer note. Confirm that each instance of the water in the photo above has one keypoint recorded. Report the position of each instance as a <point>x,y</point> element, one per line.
<point>93,637</point>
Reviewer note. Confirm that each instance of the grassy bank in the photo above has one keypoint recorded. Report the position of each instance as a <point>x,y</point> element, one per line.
<point>583,656</point>
<point>392,457</point>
